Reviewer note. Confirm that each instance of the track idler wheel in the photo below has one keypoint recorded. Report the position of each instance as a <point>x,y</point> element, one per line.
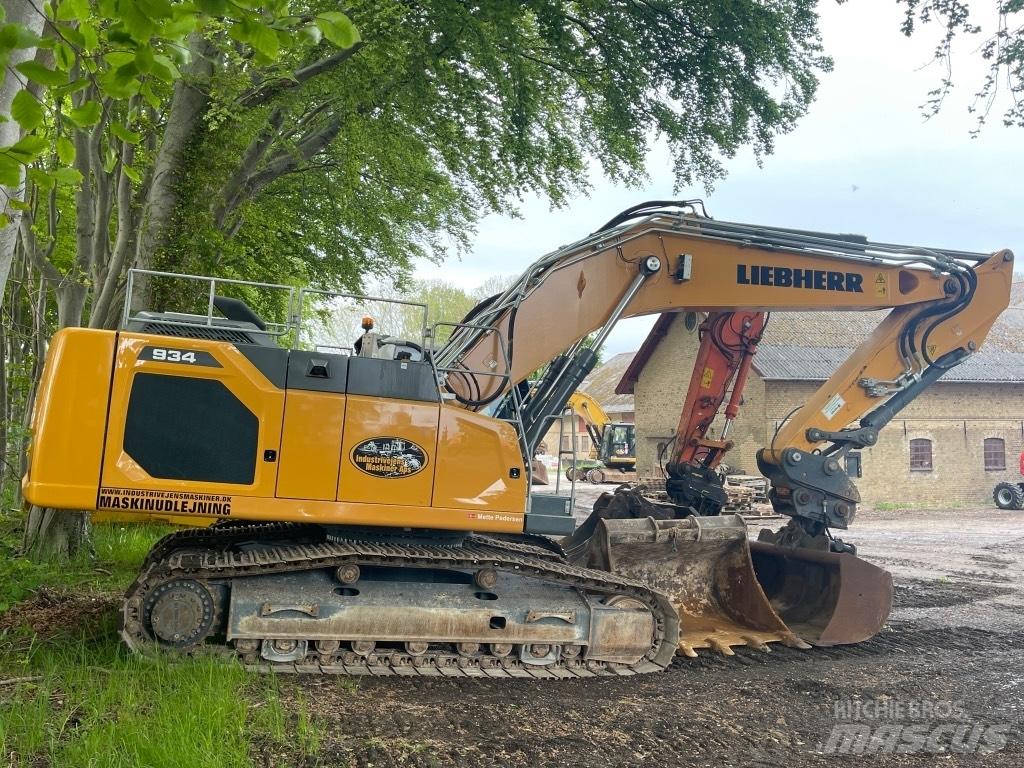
<point>180,613</point>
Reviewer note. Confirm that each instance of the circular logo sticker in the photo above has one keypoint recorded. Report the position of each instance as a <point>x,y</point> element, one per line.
<point>389,457</point>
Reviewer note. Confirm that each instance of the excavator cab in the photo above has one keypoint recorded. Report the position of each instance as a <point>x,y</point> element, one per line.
<point>618,445</point>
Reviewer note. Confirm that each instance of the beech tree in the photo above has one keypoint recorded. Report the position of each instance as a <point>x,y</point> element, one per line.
<point>273,141</point>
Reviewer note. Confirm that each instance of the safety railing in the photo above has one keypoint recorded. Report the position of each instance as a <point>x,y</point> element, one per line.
<point>142,279</point>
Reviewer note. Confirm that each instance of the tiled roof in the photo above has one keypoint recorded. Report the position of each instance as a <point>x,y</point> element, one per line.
<point>782,362</point>
<point>602,381</point>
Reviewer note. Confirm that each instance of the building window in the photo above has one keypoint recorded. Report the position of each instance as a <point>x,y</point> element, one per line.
<point>995,453</point>
<point>920,455</point>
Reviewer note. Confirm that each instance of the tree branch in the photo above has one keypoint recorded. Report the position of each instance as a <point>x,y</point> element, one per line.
<point>254,153</point>
<point>266,90</point>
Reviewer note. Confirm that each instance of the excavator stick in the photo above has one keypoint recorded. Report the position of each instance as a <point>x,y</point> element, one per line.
<point>827,598</point>
<point>727,590</point>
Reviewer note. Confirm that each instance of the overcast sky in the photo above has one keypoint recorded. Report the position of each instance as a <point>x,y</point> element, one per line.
<point>862,160</point>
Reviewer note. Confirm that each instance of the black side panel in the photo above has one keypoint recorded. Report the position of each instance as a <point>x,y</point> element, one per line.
<point>401,379</point>
<point>272,362</point>
<point>180,428</point>
<point>317,371</point>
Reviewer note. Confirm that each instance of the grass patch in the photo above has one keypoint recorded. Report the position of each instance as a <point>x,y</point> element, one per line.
<point>119,550</point>
<point>895,506</point>
<point>86,702</point>
<point>95,705</point>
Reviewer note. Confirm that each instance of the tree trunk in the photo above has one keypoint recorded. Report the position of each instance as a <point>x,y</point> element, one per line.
<point>70,304</point>
<point>56,534</point>
<point>29,14</point>
<point>185,118</point>
<point>5,407</point>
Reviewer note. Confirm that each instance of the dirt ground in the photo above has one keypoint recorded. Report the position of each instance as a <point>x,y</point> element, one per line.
<point>949,659</point>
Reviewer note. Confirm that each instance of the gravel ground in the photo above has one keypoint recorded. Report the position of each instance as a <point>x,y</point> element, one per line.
<point>948,664</point>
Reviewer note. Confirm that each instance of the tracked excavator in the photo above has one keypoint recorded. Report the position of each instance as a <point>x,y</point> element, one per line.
<point>613,456</point>
<point>379,511</point>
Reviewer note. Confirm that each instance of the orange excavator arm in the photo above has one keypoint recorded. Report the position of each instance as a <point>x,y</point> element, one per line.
<point>728,342</point>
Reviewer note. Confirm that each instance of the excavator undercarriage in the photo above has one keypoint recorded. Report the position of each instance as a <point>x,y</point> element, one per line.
<point>292,598</point>
<point>375,503</point>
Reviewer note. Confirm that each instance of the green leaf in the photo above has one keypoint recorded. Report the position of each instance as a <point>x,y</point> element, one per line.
<point>156,9</point>
<point>136,21</point>
<point>312,33</point>
<point>180,25</point>
<point>65,150</point>
<point>17,36</point>
<point>37,73</point>
<point>121,82</point>
<point>19,205</point>
<point>40,178</point>
<point>89,34</point>
<point>261,37</point>
<point>64,55</point>
<point>27,110</point>
<point>132,174</point>
<point>4,221</point>
<point>213,7</point>
<point>70,176</point>
<point>28,149</point>
<point>125,135</point>
<point>10,170</point>
<point>151,98</point>
<point>165,69</point>
<point>86,115</point>
<point>73,36</point>
<point>144,58</point>
<point>66,90</point>
<point>73,10</point>
<point>338,28</point>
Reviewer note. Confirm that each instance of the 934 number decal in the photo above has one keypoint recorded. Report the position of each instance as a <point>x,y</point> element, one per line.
<point>173,355</point>
<point>186,356</point>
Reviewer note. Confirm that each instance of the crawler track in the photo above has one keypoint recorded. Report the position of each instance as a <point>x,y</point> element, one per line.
<point>213,557</point>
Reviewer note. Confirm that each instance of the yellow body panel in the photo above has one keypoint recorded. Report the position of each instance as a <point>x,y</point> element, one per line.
<point>240,376</point>
<point>326,513</point>
<point>306,467</point>
<point>468,475</point>
<point>71,412</point>
<point>310,445</point>
<point>376,419</point>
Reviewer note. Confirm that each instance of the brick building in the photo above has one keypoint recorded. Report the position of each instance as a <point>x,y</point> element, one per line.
<point>952,444</point>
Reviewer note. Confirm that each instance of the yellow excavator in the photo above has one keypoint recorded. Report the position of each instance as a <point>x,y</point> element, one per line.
<point>612,458</point>
<point>379,513</point>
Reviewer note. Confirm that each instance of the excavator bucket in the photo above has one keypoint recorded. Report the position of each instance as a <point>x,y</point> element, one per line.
<point>825,597</point>
<point>702,564</point>
<point>727,590</point>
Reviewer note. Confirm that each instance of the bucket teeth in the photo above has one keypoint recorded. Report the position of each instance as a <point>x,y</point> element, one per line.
<point>723,648</point>
<point>756,644</point>
<point>687,650</point>
<point>792,641</point>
